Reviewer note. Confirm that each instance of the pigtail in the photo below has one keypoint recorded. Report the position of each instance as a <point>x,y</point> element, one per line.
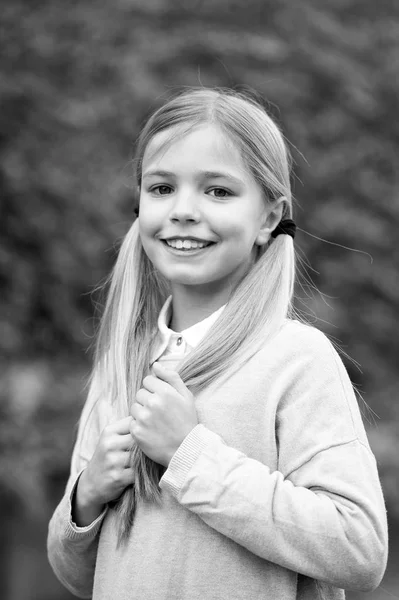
<point>145,487</point>
<point>122,357</point>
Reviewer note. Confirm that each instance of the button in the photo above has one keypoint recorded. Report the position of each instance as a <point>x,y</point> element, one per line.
<point>179,341</point>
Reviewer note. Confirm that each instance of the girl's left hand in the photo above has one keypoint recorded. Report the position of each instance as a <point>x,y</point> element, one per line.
<point>163,414</point>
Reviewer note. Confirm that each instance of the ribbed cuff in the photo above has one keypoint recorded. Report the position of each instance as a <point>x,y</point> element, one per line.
<point>73,531</point>
<point>184,458</point>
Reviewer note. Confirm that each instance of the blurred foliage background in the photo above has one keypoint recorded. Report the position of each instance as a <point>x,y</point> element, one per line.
<point>77,81</point>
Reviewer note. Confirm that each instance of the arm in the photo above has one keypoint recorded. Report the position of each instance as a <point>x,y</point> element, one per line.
<point>72,549</point>
<point>322,513</point>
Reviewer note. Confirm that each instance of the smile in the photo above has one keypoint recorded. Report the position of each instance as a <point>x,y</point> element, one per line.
<point>187,244</point>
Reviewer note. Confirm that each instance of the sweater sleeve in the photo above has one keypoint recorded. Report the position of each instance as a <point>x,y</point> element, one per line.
<point>322,512</point>
<point>72,550</point>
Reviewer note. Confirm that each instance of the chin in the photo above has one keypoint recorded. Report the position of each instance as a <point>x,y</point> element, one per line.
<point>188,280</point>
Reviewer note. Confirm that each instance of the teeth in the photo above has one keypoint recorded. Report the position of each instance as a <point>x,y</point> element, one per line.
<point>186,244</point>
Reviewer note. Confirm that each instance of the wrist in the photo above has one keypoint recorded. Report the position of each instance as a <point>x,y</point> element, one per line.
<point>172,451</point>
<point>86,506</point>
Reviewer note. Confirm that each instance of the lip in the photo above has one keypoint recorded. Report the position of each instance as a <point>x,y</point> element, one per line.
<point>186,237</point>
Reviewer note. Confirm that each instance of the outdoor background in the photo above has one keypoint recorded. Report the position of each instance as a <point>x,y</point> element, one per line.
<point>77,80</point>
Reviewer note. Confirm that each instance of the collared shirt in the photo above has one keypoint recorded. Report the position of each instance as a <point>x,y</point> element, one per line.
<point>170,347</point>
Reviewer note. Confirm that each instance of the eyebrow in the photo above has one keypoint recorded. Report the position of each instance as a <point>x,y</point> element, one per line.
<point>202,174</point>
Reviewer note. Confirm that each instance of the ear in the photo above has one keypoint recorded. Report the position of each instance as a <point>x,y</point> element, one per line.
<point>271,218</point>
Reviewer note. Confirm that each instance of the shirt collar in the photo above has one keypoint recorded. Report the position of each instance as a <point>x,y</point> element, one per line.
<point>192,335</point>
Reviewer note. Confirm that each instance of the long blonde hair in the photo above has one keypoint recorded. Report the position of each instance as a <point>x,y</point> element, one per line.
<point>256,308</point>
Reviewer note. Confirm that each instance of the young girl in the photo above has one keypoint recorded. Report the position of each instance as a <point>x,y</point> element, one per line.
<point>221,453</point>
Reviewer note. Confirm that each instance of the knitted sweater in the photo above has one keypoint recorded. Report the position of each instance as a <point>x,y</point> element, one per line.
<point>274,495</point>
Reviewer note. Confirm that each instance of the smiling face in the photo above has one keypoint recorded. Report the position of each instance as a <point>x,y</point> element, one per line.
<point>202,213</point>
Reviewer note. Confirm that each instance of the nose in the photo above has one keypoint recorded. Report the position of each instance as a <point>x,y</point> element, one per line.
<point>185,209</point>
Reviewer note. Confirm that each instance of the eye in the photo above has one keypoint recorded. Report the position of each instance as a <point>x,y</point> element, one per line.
<point>161,190</point>
<point>220,193</point>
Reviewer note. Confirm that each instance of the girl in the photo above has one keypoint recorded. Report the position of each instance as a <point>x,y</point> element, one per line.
<point>221,453</point>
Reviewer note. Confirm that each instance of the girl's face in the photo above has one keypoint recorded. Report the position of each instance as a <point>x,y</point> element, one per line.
<point>202,213</point>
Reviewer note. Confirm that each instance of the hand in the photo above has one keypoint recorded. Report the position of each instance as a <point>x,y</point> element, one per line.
<point>108,472</point>
<point>163,415</point>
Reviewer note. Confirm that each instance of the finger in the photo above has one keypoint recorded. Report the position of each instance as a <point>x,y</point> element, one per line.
<point>142,396</point>
<point>171,377</point>
<point>136,412</point>
<point>155,385</point>
<point>127,460</point>
<point>127,476</point>
<point>121,427</point>
<point>150,383</point>
<point>124,442</point>
<point>122,460</point>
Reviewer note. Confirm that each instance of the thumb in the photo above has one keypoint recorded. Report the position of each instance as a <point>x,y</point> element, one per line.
<point>172,378</point>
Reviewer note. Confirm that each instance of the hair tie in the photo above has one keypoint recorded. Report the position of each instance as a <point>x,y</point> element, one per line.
<point>286,226</point>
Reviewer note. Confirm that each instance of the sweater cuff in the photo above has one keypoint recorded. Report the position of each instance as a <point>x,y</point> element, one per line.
<point>73,531</point>
<point>185,456</point>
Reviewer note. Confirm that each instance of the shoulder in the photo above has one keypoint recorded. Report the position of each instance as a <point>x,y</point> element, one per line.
<point>303,353</point>
<point>304,341</point>
<point>303,331</point>
<point>297,349</point>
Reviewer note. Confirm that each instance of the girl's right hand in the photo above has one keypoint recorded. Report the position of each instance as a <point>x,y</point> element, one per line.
<point>107,474</point>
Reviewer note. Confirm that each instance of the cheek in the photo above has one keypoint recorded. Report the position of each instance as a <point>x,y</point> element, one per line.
<point>148,224</point>
<point>145,233</point>
<point>242,236</point>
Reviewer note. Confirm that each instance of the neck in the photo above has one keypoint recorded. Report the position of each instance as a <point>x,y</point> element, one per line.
<point>192,305</point>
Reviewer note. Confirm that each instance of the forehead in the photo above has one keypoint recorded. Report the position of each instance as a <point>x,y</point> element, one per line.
<point>206,143</point>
